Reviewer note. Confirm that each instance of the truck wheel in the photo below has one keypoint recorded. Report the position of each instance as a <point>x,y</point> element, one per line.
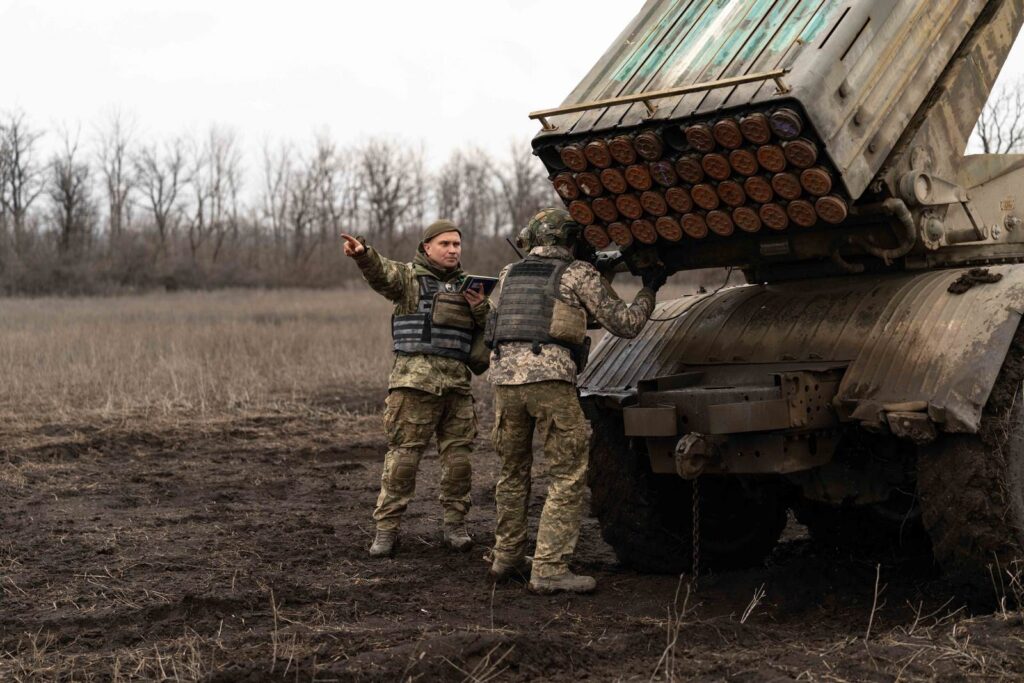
<point>971,487</point>
<point>892,526</point>
<point>647,517</point>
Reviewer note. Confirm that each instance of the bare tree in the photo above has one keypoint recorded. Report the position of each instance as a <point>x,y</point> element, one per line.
<point>325,175</point>
<point>70,193</point>
<point>226,186</point>
<point>114,157</point>
<point>466,192</point>
<point>302,214</point>
<point>198,182</point>
<point>448,192</point>
<point>388,172</point>
<point>277,172</point>
<point>1000,128</point>
<point>524,189</point>
<point>161,174</point>
<point>417,191</point>
<point>20,174</point>
<point>214,180</point>
<point>5,185</point>
<point>350,189</point>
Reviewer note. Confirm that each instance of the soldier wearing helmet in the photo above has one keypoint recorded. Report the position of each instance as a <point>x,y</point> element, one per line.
<point>434,327</point>
<point>538,333</point>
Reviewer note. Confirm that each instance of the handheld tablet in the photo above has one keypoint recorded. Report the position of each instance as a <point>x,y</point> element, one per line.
<point>473,281</point>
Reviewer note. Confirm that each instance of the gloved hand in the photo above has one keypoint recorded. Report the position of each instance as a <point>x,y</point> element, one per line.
<point>606,262</point>
<point>654,277</point>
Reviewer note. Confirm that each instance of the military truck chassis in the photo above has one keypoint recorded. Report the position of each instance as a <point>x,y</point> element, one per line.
<point>843,402</point>
<point>868,377</point>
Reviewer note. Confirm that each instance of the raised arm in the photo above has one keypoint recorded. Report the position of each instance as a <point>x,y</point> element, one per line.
<point>601,301</point>
<point>385,276</point>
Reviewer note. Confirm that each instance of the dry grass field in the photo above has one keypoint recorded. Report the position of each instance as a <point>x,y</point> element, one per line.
<point>200,355</point>
<point>197,354</point>
<point>185,488</point>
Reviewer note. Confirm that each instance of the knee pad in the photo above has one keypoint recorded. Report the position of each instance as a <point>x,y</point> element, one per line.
<point>461,471</point>
<point>402,479</point>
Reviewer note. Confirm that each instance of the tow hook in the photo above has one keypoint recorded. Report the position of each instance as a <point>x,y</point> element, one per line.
<point>693,453</point>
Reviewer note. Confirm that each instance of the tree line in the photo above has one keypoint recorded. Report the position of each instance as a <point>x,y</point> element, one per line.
<point>109,211</point>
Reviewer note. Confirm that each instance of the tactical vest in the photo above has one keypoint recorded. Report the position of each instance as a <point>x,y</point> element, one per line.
<point>420,333</point>
<point>526,308</point>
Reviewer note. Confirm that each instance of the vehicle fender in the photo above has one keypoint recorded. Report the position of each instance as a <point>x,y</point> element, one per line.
<point>907,340</point>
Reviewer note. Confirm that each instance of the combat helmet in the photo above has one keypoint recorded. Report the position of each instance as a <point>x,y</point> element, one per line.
<point>549,227</point>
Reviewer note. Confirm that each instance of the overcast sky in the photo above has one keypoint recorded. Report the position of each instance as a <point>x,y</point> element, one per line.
<point>447,72</point>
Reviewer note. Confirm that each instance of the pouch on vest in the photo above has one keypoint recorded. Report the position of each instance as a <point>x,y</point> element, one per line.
<point>568,323</point>
<point>581,354</point>
<point>452,310</point>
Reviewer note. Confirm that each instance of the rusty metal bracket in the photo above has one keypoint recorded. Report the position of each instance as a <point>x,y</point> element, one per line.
<point>809,396</point>
<point>913,426</point>
<point>648,98</point>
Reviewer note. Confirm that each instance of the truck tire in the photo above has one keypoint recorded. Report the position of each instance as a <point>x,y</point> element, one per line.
<point>890,527</point>
<point>971,487</point>
<point>647,518</point>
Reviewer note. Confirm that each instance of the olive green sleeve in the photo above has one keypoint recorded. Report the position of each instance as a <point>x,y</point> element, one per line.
<point>480,312</point>
<point>388,278</point>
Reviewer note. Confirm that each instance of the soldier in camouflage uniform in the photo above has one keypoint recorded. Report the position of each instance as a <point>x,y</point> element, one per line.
<point>433,327</point>
<point>538,331</point>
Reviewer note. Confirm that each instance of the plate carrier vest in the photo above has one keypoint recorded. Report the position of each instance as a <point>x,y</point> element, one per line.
<point>527,303</point>
<point>415,333</point>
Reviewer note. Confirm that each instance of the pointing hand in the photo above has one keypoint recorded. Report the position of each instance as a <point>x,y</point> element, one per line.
<point>352,246</point>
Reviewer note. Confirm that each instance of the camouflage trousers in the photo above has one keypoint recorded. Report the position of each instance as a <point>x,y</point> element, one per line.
<point>553,409</point>
<point>411,418</point>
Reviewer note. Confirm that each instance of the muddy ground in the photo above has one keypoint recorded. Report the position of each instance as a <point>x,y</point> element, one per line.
<point>234,549</point>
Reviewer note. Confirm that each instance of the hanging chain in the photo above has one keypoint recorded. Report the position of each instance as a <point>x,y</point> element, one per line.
<point>695,572</point>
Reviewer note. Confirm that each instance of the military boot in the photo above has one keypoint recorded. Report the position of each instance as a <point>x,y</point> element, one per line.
<point>384,543</point>
<point>515,570</point>
<point>567,583</point>
<point>456,537</point>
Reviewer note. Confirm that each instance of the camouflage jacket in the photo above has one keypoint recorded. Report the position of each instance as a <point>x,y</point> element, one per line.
<point>582,286</point>
<point>398,282</point>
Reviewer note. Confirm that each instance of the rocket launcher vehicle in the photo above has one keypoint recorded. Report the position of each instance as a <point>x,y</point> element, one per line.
<point>791,138</point>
